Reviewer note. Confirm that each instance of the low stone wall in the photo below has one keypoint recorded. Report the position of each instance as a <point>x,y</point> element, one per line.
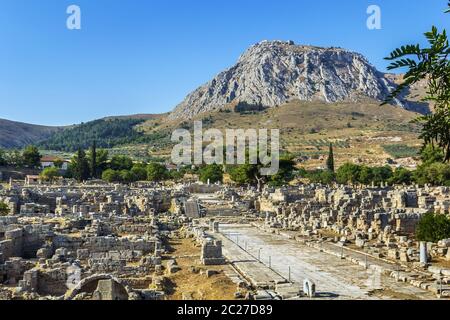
<point>204,188</point>
<point>16,174</point>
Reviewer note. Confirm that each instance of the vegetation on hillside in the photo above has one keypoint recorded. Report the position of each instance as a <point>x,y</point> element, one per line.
<point>432,171</point>
<point>17,135</point>
<point>106,133</point>
<point>401,150</point>
<point>244,107</point>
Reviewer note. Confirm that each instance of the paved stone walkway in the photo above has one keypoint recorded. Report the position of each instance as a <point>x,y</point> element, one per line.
<point>284,259</point>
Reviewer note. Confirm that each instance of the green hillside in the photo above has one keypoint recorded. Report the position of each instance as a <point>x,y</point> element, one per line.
<point>107,133</point>
<point>16,135</point>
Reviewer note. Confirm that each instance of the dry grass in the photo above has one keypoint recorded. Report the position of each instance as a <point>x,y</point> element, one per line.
<point>357,130</point>
<point>387,294</point>
<point>185,281</point>
<point>329,233</point>
<point>442,263</point>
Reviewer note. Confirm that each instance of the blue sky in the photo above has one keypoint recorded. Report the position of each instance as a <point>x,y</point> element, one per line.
<point>145,56</point>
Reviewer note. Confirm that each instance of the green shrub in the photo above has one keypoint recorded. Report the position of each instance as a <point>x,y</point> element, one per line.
<point>110,176</point>
<point>4,209</point>
<point>401,176</point>
<point>213,173</point>
<point>157,172</point>
<point>433,227</point>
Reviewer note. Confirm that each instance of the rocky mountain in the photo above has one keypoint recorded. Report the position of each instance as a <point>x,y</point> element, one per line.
<point>17,134</point>
<point>272,73</point>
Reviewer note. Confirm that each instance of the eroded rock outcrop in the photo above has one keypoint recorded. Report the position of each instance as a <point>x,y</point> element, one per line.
<point>272,73</point>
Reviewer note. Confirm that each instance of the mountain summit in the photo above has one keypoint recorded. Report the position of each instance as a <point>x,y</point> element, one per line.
<point>272,73</point>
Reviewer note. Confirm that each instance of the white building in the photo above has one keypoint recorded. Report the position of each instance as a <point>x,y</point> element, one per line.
<point>49,161</point>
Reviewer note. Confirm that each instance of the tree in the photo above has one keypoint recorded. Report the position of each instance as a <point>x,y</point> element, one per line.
<point>140,171</point>
<point>31,157</point>
<point>366,175</point>
<point>327,177</point>
<point>432,65</point>
<point>436,173</point>
<point>127,176</point>
<point>330,159</point>
<point>433,227</point>
<point>348,173</point>
<point>93,160</point>
<point>250,173</point>
<point>432,170</point>
<point>102,161</point>
<point>156,172</point>
<point>2,158</point>
<point>49,174</point>
<point>4,209</point>
<point>285,172</point>
<point>110,175</point>
<point>243,174</point>
<point>431,154</point>
<point>381,174</point>
<point>319,176</point>
<point>212,173</point>
<point>176,175</point>
<point>401,176</point>
<point>80,166</point>
<point>121,162</point>
<point>15,159</point>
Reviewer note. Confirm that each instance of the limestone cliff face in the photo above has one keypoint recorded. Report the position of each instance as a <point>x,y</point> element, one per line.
<point>272,73</point>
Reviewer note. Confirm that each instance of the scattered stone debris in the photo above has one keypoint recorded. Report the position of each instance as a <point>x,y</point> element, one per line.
<point>107,242</point>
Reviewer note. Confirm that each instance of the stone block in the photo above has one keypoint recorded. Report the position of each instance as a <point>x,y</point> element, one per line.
<point>360,243</point>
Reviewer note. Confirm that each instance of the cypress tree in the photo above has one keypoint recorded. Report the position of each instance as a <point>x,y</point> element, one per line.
<point>93,160</point>
<point>330,160</point>
<point>81,166</point>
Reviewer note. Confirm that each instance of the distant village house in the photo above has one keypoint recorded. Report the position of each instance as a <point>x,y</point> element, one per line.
<point>49,161</point>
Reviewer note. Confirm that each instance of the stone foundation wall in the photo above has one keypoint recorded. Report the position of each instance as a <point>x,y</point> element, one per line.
<point>52,282</point>
<point>211,253</point>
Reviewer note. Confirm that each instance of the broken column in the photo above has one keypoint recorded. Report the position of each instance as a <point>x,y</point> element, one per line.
<point>423,253</point>
<point>309,288</point>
